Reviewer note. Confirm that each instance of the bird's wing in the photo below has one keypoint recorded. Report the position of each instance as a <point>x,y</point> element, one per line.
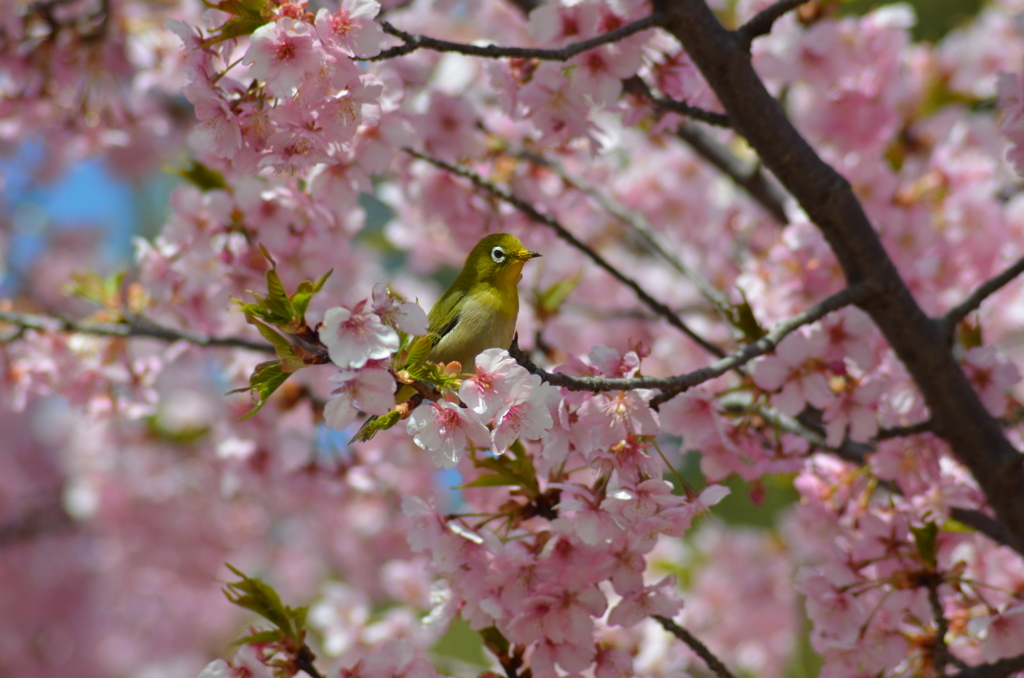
<point>444,316</point>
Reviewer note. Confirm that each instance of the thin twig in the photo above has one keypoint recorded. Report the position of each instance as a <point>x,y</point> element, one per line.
<point>699,648</point>
<point>748,176</point>
<point>415,42</point>
<point>563,233</point>
<point>999,669</point>
<point>904,431</point>
<point>138,327</point>
<point>683,108</point>
<point>670,386</point>
<point>763,21</point>
<point>637,223</point>
<point>984,290</point>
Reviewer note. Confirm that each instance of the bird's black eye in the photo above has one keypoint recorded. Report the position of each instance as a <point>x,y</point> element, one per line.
<point>498,254</point>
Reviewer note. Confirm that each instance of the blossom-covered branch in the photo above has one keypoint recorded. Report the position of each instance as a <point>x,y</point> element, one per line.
<point>563,233</point>
<point>961,418</point>
<point>983,292</point>
<point>138,327</point>
<point>415,42</point>
<point>675,384</point>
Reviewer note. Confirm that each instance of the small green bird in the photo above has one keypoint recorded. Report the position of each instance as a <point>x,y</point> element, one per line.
<point>478,311</point>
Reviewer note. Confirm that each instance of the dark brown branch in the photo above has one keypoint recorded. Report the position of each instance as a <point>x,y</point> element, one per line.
<point>415,42</point>
<point>699,648</point>
<point>904,431</point>
<point>747,176</point>
<point>683,108</point>
<point>138,327</point>
<point>563,233</point>
<point>670,386</point>
<point>999,669</point>
<point>985,290</point>
<point>940,652</point>
<point>985,524</point>
<point>829,201</point>
<point>762,23</point>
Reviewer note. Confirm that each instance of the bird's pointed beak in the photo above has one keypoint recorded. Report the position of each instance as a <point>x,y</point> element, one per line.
<point>531,255</point>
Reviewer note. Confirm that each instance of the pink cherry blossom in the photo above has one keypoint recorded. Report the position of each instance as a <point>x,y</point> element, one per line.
<point>371,391</point>
<point>405,315</point>
<point>281,53</point>
<point>650,600</point>
<point>497,382</point>
<point>801,383</point>
<point>352,29</point>
<point>525,415</point>
<point>444,429</point>
<point>353,336</point>
<point>854,409</point>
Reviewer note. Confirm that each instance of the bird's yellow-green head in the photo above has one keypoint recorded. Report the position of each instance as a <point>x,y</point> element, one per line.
<point>497,260</point>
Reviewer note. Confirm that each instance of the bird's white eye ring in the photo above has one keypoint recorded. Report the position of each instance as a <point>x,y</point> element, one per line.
<point>498,254</point>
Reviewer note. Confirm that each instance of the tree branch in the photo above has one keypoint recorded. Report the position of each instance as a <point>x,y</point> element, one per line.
<point>563,233</point>
<point>940,652</point>
<point>638,224</point>
<point>987,525</point>
<point>762,23</point>
<point>999,669</point>
<point>683,108</point>
<point>984,290</point>
<point>670,386</point>
<point>829,201</point>
<point>415,42</point>
<point>138,327</point>
<point>904,431</point>
<point>747,176</point>
<point>699,648</point>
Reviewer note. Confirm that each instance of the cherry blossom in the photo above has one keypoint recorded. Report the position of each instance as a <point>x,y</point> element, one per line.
<point>281,53</point>
<point>353,336</point>
<point>445,429</point>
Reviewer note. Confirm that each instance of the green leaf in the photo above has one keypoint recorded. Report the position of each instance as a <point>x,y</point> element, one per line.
<point>741,316</point>
<point>305,293</point>
<point>418,352</point>
<point>235,27</point>
<point>925,539</point>
<point>202,177</point>
<point>277,301</point>
<point>490,480</point>
<point>91,286</point>
<point>550,300</point>
<point>255,595</point>
<point>261,637</point>
<point>269,334</point>
<point>265,379</point>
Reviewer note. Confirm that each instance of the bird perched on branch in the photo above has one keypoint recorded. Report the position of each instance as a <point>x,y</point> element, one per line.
<point>478,311</point>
